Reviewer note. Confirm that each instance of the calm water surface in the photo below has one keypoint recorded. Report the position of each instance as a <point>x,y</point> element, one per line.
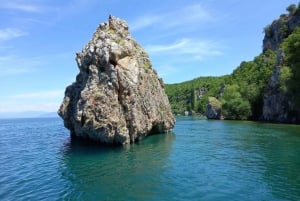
<point>202,160</point>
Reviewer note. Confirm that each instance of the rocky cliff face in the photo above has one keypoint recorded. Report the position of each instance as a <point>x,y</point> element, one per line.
<point>277,104</point>
<point>276,32</point>
<point>117,97</point>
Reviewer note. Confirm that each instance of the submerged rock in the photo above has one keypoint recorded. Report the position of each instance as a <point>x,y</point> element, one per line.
<point>117,97</point>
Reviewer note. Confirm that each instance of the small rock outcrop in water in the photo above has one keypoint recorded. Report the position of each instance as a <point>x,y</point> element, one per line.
<point>213,109</point>
<point>117,97</point>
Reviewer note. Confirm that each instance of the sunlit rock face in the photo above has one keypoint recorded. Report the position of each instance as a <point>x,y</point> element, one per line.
<point>117,97</point>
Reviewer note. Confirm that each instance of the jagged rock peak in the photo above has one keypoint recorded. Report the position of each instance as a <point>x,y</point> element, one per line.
<point>280,29</point>
<point>117,97</point>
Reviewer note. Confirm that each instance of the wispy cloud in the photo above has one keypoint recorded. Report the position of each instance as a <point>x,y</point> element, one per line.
<point>40,95</point>
<point>10,33</point>
<point>32,101</point>
<point>145,21</point>
<point>165,70</point>
<point>23,107</point>
<point>26,13</point>
<point>26,7</point>
<point>14,65</point>
<point>191,14</point>
<point>193,49</point>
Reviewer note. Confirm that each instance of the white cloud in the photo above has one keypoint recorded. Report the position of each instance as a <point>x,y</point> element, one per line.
<point>10,33</point>
<point>167,48</point>
<point>166,70</point>
<point>11,65</point>
<point>191,15</point>
<point>14,65</point>
<point>20,107</point>
<point>16,5</point>
<point>145,21</point>
<point>25,13</point>
<point>40,95</point>
<point>32,101</point>
<point>193,49</point>
<point>187,16</point>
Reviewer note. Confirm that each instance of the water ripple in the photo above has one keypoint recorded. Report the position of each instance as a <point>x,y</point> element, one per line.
<point>203,160</point>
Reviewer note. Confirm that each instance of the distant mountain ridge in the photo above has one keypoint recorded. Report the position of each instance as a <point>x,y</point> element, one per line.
<point>265,88</point>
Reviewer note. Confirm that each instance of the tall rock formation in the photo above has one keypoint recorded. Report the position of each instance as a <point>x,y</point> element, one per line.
<point>117,97</point>
<point>277,104</point>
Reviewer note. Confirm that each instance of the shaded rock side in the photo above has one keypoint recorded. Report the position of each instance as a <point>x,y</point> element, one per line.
<point>117,97</point>
<point>276,104</point>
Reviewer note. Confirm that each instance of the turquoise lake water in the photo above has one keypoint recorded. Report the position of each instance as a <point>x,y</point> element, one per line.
<point>202,160</point>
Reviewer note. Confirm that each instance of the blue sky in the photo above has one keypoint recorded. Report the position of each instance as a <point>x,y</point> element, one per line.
<point>185,39</point>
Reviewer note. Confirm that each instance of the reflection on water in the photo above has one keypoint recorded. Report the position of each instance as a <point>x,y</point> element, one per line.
<point>115,173</point>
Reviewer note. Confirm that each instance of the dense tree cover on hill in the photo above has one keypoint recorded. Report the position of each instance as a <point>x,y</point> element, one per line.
<point>290,72</point>
<point>193,95</point>
<point>251,79</point>
<point>241,93</point>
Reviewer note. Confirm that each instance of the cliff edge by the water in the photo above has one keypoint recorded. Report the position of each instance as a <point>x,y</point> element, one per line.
<point>117,97</point>
<point>265,88</point>
<point>278,104</point>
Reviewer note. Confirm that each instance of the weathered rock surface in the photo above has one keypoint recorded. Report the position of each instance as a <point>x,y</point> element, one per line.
<point>277,104</point>
<point>279,30</point>
<point>213,109</point>
<point>117,97</point>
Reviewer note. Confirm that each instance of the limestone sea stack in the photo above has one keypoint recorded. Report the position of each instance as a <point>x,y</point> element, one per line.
<point>117,97</point>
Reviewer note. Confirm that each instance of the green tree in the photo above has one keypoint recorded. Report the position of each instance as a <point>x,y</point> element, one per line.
<point>284,77</point>
<point>291,9</point>
<point>233,105</point>
<point>183,96</point>
<point>267,31</point>
<point>252,78</point>
<point>291,47</point>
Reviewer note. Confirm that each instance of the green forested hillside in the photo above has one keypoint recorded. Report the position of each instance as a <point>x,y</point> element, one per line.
<point>192,95</point>
<point>245,87</point>
<point>290,71</point>
<point>242,93</point>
